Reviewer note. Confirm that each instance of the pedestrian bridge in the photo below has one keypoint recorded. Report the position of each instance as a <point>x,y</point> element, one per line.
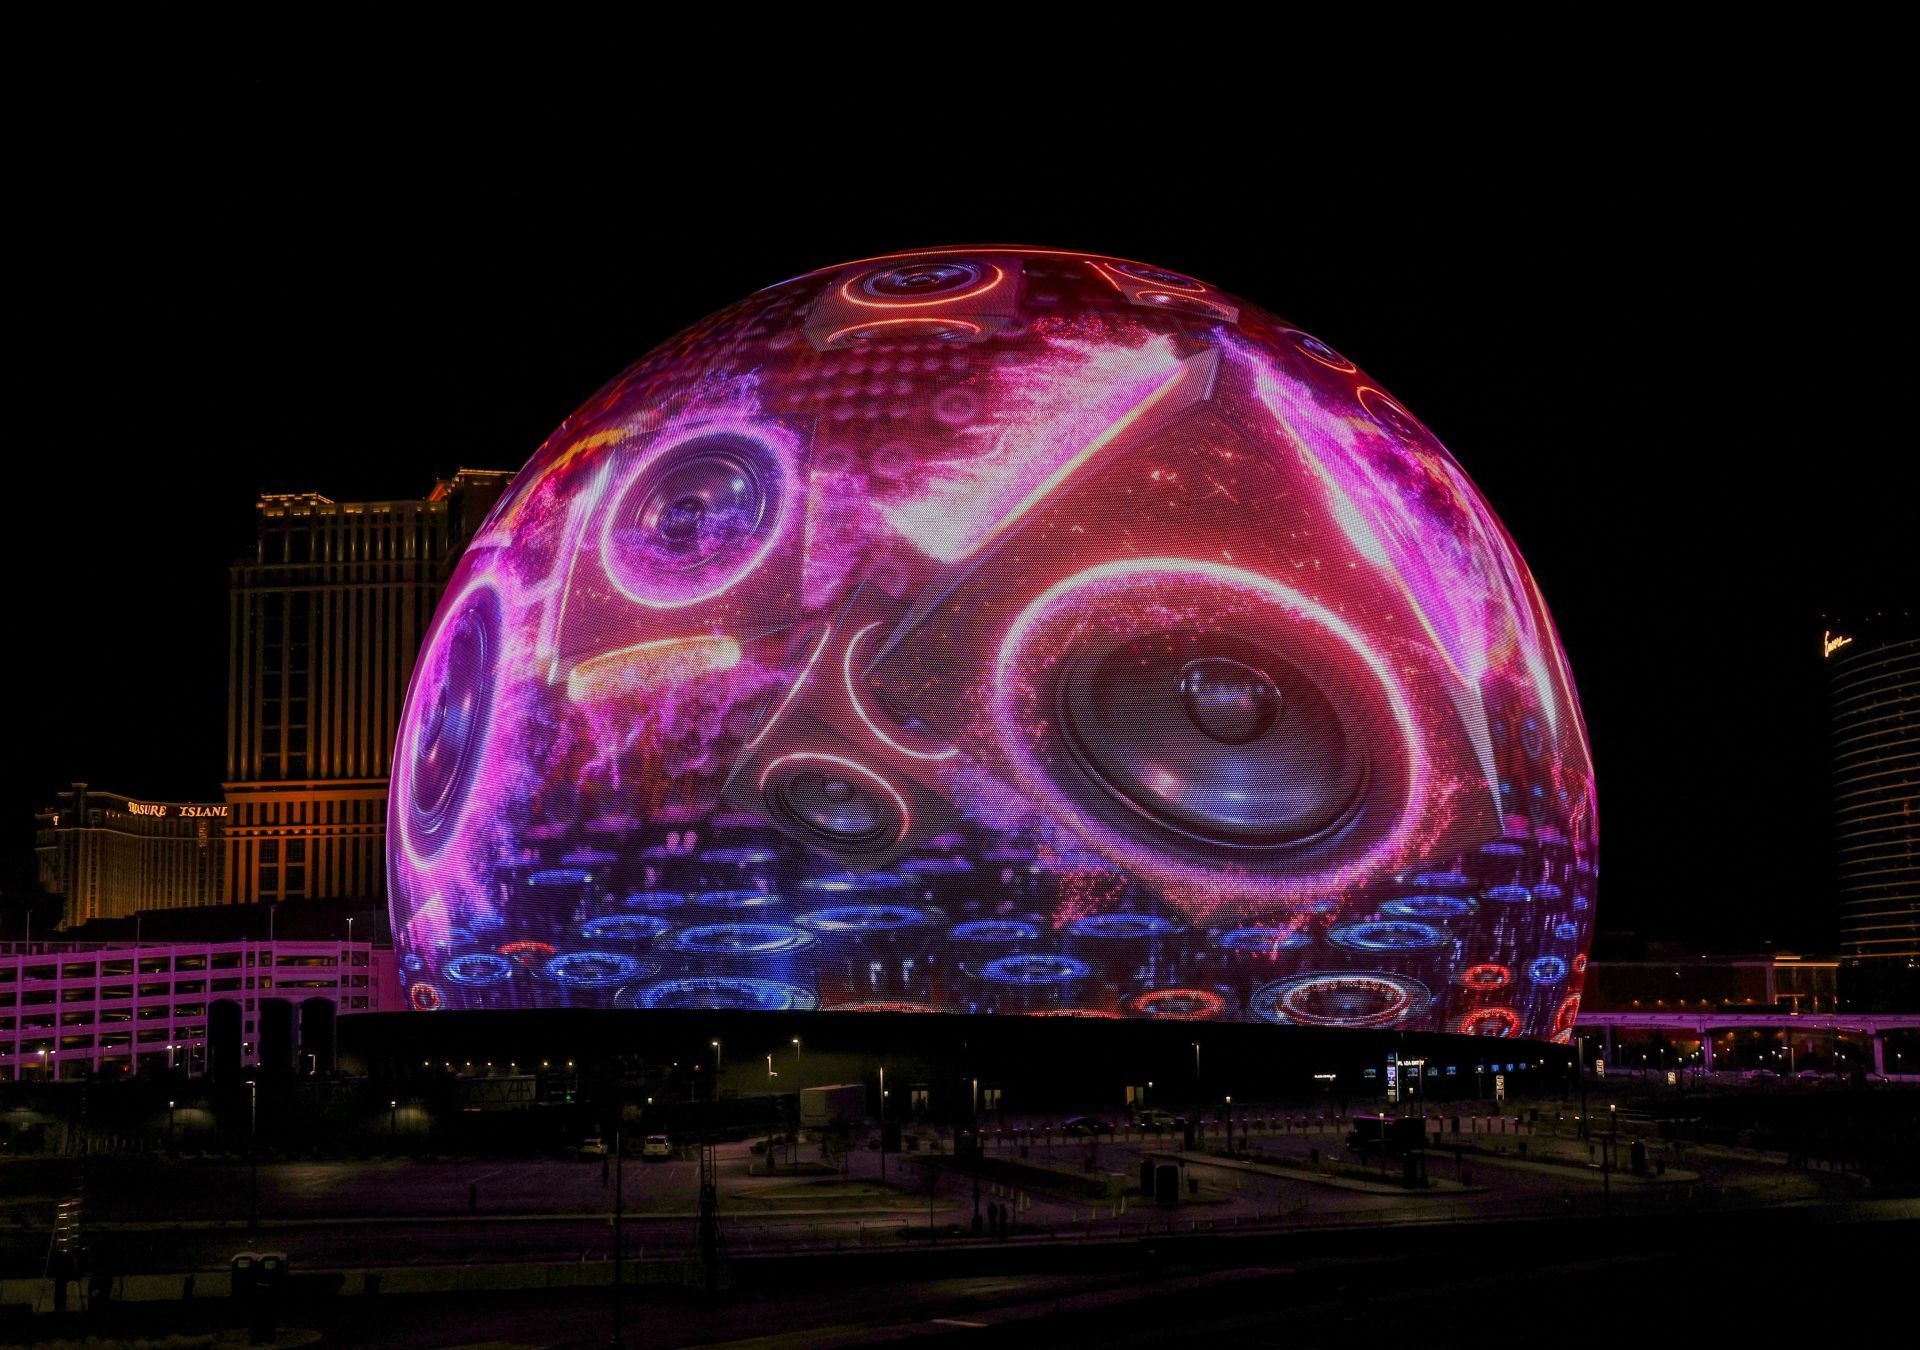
<point>1703,1024</point>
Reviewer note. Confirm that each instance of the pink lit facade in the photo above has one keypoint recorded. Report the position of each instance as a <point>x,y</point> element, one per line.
<point>69,1010</point>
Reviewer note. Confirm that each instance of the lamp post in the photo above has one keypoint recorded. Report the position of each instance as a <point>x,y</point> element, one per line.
<point>796,1055</point>
<point>169,1126</point>
<point>1581,1071</point>
<point>393,1118</point>
<point>1196,1061</point>
<point>619,1178</point>
<point>883,1122</point>
<point>253,1156</point>
<point>770,1073</point>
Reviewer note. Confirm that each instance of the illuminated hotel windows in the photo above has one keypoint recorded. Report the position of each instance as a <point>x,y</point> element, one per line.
<point>110,855</point>
<point>325,620</point>
<point>1873,670</point>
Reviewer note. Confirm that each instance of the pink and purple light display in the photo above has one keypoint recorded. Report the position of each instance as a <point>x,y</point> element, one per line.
<point>997,630</point>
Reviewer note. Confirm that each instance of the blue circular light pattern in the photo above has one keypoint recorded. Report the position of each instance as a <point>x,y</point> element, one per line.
<point>657,900</point>
<point>594,969</point>
<point>1442,881</point>
<point>854,883</point>
<point>936,866</point>
<point>862,918</point>
<point>724,992</point>
<point>1387,935</point>
<point>736,899</point>
<point>1567,932</point>
<point>742,939</point>
<point>478,969</point>
<point>1427,907</point>
<point>560,876</point>
<point>741,856</point>
<point>1546,890</point>
<point>996,930</point>
<point>1265,941</point>
<point>1503,848</point>
<point>623,928</point>
<point>1508,895</point>
<point>1036,968</point>
<point>1120,926</point>
<point>1547,970</point>
<point>455,939</point>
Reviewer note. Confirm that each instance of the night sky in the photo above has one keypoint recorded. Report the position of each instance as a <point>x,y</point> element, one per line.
<point>1658,365</point>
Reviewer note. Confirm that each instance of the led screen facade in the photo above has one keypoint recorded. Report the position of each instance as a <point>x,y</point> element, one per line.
<point>997,631</point>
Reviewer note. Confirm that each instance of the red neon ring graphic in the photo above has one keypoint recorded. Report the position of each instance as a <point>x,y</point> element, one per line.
<point>1506,1019</point>
<point>1208,1004</point>
<point>526,948</point>
<point>846,293</point>
<point>923,319</point>
<point>1490,975</point>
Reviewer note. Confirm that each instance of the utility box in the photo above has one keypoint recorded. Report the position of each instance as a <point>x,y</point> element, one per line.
<point>259,1279</point>
<point>835,1105</point>
<point>1166,1184</point>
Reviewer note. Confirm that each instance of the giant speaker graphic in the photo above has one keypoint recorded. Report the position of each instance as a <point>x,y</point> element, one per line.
<point>1126,651</point>
<point>455,687</point>
<point>685,542</point>
<point>833,764</point>
<point>955,298</point>
<point>1158,288</point>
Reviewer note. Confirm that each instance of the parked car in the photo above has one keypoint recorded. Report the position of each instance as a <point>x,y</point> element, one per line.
<point>1085,1125</point>
<point>1155,1119</point>
<point>656,1146</point>
<point>595,1147</point>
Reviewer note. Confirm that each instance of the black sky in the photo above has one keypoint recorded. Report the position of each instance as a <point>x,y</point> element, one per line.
<point>1658,357</point>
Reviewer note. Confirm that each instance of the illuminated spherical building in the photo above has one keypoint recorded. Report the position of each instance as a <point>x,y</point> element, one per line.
<point>997,631</point>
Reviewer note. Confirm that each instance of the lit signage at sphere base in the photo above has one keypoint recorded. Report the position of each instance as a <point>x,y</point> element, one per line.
<point>1000,631</point>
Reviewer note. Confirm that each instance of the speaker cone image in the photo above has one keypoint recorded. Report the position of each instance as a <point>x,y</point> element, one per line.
<point>1216,738</point>
<point>694,520</point>
<point>457,694</point>
<point>834,803</point>
<point>923,282</point>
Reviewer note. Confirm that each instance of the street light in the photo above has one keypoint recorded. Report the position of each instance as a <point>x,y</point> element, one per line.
<point>771,1075</point>
<point>169,1127</point>
<point>717,1061</point>
<point>253,1156</point>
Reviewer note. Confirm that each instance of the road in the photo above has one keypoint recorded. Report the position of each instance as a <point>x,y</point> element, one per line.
<point>150,1216</point>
